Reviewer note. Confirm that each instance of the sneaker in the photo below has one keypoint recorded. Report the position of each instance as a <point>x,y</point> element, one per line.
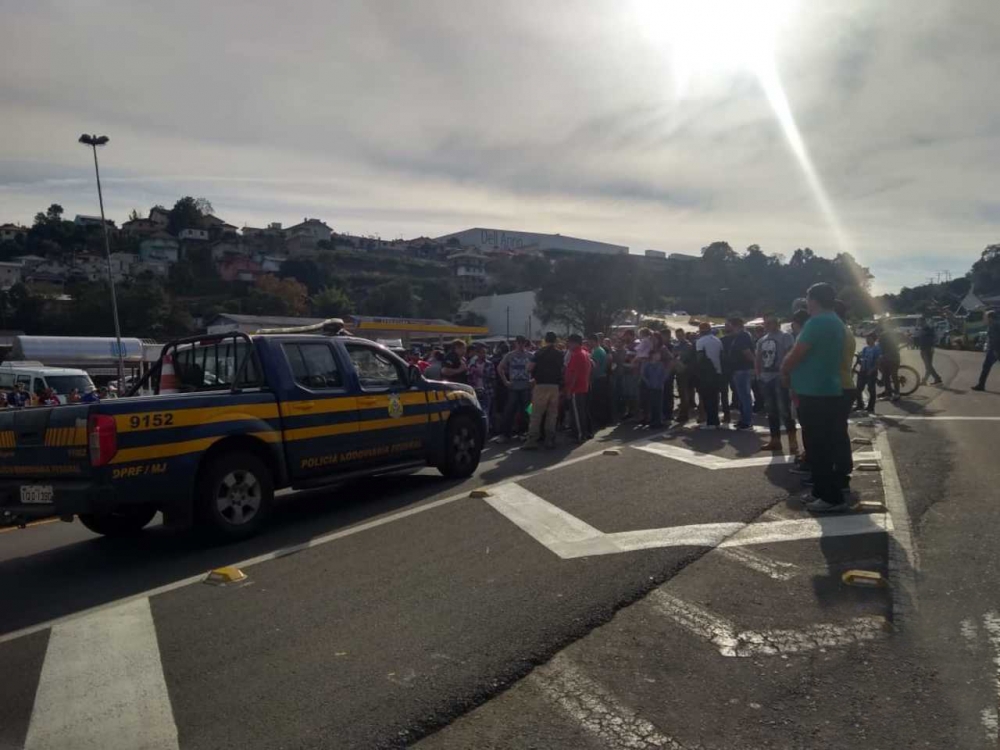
<point>741,426</point>
<point>895,397</point>
<point>979,387</point>
<point>801,470</point>
<point>772,445</point>
<point>822,506</point>
<point>937,382</point>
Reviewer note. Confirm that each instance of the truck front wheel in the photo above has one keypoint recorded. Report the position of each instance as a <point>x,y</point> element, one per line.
<point>463,448</point>
<point>119,523</point>
<point>235,495</point>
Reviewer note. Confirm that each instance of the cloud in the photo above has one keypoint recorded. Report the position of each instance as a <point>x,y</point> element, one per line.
<point>424,118</point>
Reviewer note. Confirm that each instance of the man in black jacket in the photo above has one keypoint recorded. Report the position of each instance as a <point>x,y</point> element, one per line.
<point>925,340</point>
<point>992,349</point>
<point>546,368</point>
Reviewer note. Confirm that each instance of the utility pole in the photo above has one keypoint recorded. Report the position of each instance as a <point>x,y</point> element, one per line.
<point>94,141</point>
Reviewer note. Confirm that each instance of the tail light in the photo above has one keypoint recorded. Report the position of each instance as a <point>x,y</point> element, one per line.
<point>103,437</point>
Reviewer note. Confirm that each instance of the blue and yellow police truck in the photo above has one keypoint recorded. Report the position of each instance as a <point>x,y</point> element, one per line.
<point>227,420</point>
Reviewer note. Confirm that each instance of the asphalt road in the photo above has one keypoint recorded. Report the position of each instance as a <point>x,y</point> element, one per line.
<point>658,597</point>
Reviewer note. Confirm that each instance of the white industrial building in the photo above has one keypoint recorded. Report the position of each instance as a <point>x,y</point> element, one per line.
<point>508,314</point>
<point>488,240</point>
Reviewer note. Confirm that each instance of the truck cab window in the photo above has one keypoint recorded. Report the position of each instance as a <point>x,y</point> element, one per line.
<point>376,370</point>
<point>313,365</point>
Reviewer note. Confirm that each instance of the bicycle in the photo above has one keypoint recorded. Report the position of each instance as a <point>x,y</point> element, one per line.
<point>909,379</point>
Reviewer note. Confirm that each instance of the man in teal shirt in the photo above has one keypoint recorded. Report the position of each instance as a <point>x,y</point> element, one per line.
<point>813,368</point>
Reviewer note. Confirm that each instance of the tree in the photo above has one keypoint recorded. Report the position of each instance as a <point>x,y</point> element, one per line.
<point>204,206</point>
<point>133,215</point>
<point>437,298</point>
<point>184,215</point>
<point>393,299</point>
<point>985,272</point>
<point>273,296</point>
<point>331,302</point>
<point>587,293</point>
<point>307,271</point>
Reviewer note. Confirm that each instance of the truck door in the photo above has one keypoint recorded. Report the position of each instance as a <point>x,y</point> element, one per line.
<point>393,416</point>
<point>320,419</point>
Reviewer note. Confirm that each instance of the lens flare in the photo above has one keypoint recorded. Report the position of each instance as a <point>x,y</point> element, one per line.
<point>713,38</point>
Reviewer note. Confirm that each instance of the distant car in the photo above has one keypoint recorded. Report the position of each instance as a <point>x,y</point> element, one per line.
<point>681,314</point>
<point>36,378</point>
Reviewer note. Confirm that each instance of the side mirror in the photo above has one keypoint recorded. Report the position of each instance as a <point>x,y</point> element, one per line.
<point>413,375</point>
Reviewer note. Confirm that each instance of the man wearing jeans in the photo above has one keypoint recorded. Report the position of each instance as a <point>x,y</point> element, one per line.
<point>772,348</point>
<point>813,369</point>
<point>513,373</point>
<point>741,362</point>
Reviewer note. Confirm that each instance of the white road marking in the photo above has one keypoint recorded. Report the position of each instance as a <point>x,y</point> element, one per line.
<point>714,462</point>
<point>969,630</point>
<point>938,418</point>
<point>776,569</point>
<point>729,641</point>
<point>991,622</point>
<point>595,708</point>
<point>568,536</point>
<point>810,528</point>
<point>102,686</point>
<point>285,551</point>
<point>903,560</point>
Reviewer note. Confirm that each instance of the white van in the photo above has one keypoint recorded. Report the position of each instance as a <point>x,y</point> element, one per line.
<point>36,377</point>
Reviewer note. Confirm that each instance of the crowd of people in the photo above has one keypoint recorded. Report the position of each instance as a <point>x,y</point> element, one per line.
<point>804,380</point>
<point>19,398</point>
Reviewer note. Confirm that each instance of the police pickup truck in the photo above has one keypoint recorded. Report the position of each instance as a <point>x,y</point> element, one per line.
<point>231,418</point>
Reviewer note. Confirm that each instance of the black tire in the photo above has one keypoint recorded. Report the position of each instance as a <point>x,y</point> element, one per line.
<point>463,447</point>
<point>235,496</point>
<point>124,522</point>
<point>909,380</point>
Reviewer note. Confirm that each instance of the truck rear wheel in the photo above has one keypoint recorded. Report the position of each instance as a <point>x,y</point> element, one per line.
<point>235,495</point>
<point>123,522</point>
<point>463,448</point>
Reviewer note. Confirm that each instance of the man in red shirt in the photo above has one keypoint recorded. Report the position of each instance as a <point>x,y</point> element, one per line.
<point>576,384</point>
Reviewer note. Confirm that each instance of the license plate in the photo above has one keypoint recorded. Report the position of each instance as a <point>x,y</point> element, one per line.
<point>36,494</point>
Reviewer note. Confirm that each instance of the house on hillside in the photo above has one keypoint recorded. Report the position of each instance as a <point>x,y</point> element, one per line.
<point>216,227</point>
<point>223,248</point>
<point>303,238</point>
<point>160,247</point>
<point>193,235</point>
<point>10,274</point>
<point>88,222</point>
<point>469,271</point>
<point>140,227</point>
<point>239,268</point>
<point>9,232</point>
<point>159,216</point>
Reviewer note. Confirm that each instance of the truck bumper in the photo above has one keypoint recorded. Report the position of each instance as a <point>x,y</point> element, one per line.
<point>69,498</point>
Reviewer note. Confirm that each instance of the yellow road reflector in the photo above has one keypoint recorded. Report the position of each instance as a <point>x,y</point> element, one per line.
<point>222,576</point>
<point>612,451</point>
<point>479,494</point>
<point>865,578</point>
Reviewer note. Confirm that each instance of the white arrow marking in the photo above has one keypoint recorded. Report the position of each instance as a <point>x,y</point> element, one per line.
<point>723,634</point>
<point>569,537</point>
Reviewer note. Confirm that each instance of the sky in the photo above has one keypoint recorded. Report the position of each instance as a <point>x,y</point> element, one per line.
<point>636,122</point>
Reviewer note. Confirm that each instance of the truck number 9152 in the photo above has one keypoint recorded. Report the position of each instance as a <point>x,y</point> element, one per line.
<point>150,420</point>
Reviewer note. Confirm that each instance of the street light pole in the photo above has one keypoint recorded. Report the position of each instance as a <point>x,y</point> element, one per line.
<point>94,141</point>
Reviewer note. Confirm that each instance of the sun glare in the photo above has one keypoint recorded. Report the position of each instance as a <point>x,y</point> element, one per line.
<point>707,40</point>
